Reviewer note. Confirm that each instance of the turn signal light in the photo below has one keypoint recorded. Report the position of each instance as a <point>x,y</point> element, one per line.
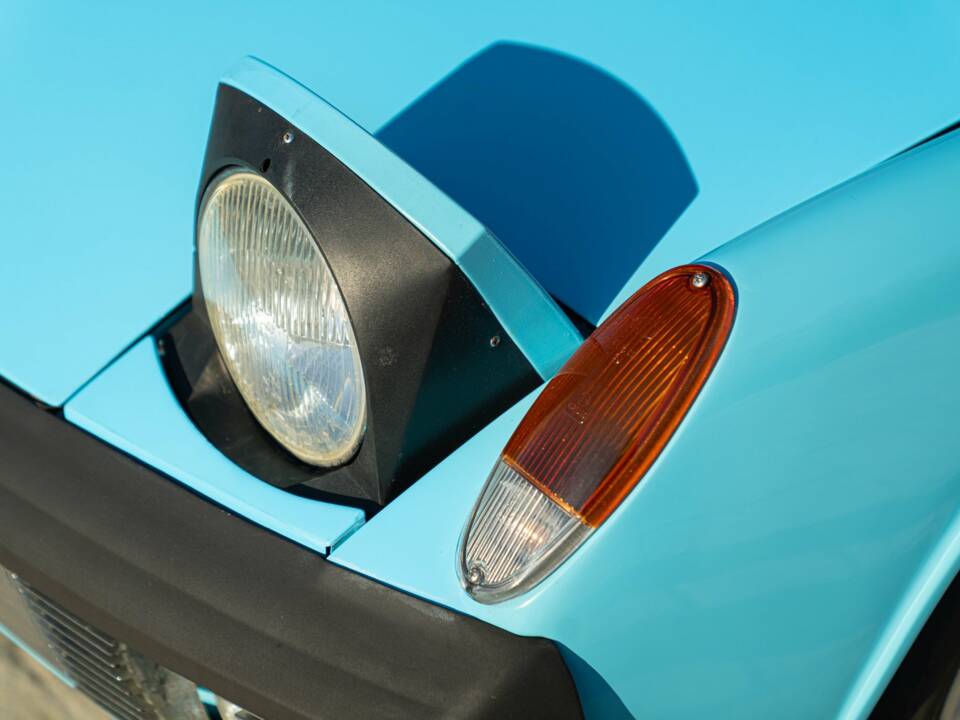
<point>595,430</point>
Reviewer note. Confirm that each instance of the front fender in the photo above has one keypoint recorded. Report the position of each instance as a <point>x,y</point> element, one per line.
<point>787,546</point>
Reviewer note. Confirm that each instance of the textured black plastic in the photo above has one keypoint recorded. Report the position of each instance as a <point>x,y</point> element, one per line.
<point>437,363</point>
<point>264,622</point>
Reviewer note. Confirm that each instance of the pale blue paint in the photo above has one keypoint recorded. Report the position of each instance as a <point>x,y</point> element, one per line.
<point>131,406</point>
<point>107,112</point>
<point>792,582</point>
<point>566,164</point>
<point>800,525</point>
<point>539,328</point>
<point>44,663</point>
<point>785,549</point>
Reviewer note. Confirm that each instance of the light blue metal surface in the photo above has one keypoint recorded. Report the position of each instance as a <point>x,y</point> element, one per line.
<point>787,546</point>
<point>540,329</point>
<point>108,111</point>
<point>800,525</point>
<point>131,406</point>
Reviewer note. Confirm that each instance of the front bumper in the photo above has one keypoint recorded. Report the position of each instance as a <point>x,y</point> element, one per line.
<point>252,616</point>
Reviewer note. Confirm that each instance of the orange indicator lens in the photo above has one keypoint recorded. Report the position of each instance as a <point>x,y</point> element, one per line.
<point>595,430</point>
<point>601,422</point>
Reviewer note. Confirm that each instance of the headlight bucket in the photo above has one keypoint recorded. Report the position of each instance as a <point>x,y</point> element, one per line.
<point>437,363</point>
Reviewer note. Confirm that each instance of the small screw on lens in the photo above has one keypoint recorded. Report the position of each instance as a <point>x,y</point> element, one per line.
<point>474,575</point>
<point>700,280</point>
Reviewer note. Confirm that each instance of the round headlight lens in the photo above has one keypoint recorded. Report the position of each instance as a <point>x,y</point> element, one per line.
<point>279,319</point>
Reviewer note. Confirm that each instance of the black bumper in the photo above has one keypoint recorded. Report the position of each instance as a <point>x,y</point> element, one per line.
<point>257,619</point>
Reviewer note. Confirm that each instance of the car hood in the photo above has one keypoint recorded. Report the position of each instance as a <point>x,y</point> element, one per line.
<point>106,115</point>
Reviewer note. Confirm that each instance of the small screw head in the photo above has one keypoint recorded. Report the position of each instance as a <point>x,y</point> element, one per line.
<point>494,341</point>
<point>288,137</point>
<point>700,280</point>
<point>474,575</point>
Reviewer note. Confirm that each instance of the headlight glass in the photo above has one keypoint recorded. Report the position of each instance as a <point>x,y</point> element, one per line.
<point>280,320</point>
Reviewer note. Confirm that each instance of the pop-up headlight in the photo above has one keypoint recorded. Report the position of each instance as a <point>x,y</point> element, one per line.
<point>350,325</point>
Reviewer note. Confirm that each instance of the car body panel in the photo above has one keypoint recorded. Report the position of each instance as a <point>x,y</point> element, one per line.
<point>110,109</point>
<point>787,546</point>
<point>537,325</point>
<point>132,407</point>
<point>799,553</point>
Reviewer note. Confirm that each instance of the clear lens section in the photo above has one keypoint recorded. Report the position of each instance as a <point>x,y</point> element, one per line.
<point>517,536</point>
<point>595,430</point>
<point>280,320</point>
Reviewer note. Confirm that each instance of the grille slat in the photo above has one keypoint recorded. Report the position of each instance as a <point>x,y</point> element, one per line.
<point>116,677</point>
<point>72,659</point>
<point>78,661</point>
<point>67,630</point>
<point>108,704</point>
<point>82,648</point>
<point>44,607</point>
<point>98,664</point>
<point>84,678</point>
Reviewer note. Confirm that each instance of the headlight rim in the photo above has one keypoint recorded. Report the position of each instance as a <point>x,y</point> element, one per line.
<point>259,175</point>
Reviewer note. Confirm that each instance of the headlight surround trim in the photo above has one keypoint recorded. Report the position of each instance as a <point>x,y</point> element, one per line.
<point>433,378</point>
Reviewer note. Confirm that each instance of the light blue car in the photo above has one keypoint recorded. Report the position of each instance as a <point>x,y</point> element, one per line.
<point>417,360</point>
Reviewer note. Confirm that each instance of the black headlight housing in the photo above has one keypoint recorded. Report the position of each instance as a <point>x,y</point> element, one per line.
<point>438,365</point>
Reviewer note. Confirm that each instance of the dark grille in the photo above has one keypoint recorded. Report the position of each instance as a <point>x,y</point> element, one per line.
<point>96,662</point>
<point>120,680</point>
